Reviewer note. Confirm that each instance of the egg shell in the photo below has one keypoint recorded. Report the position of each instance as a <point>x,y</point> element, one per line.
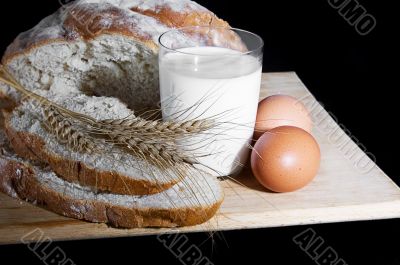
<point>285,159</point>
<point>281,110</point>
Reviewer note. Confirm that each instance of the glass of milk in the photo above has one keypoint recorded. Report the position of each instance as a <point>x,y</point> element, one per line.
<point>213,73</point>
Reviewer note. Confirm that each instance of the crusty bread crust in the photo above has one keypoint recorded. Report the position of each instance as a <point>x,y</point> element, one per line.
<point>78,21</point>
<point>88,26</point>
<point>17,179</point>
<point>32,147</point>
<point>6,102</point>
<point>174,19</point>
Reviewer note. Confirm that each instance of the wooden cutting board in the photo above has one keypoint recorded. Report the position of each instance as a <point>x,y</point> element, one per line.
<point>349,187</point>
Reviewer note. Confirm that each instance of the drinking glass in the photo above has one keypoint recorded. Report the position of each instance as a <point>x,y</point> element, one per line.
<point>212,73</point>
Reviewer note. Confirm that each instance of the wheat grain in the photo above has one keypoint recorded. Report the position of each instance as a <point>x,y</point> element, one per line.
<point>164,128</point>
<point>65,133</point>
<point>155,148</point>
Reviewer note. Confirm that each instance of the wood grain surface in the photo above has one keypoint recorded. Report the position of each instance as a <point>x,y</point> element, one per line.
<point>348,187</point>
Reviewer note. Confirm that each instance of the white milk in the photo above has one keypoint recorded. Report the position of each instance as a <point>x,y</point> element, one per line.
<point>220,83</point>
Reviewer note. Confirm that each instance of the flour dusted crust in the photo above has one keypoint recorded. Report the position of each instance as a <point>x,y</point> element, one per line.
<point>139,19</point>
<point>178,15</point>
<point>102,47</point>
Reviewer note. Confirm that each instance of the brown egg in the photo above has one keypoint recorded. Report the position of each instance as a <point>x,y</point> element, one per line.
<point>285,159</point>
<point>281,110</point>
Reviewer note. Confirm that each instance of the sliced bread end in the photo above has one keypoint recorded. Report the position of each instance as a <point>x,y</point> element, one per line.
<point>192,201</point>
<point>121,174</point>
<point>18,179</point>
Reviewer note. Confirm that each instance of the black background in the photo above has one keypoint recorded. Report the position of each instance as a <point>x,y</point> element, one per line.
<point>352,75</point>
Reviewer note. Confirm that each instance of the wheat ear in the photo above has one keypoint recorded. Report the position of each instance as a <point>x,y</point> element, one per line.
<point>65,132</point>
<point>171,128</point>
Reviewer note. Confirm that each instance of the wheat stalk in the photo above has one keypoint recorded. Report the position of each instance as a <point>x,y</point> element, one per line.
<point>73,137</point>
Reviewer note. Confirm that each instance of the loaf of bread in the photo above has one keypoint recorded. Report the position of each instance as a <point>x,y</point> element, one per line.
<point>99,58</point>
<point>95,48</point>
<point>101,47</point>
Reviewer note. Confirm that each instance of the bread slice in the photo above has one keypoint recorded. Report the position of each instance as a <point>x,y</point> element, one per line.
<point>110,170</point>
<point>190,202</point>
